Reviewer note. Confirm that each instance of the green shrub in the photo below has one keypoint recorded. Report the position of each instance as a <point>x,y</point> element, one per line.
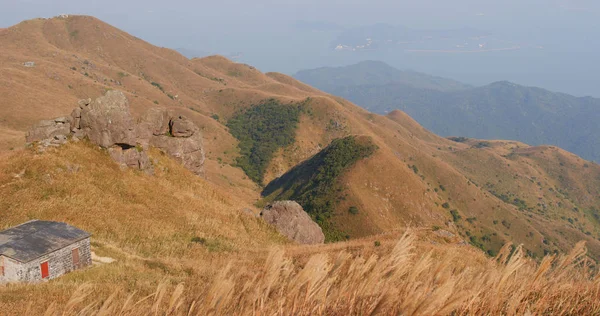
<point>199,240</point>
<point>482,145</point>
<point>353,210</point>
<point>455,216</point>
<point>414,169</point>
<point>458,139</point>
<point>156,84</point>
<point>262,130</point>
<point>446,205</point>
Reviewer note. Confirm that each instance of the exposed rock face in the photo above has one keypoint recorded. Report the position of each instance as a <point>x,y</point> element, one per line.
<point>293,222</point>
<point>188,151</point>
<point>49,130</point>
<point>175,135</point>
<point>108,123</point>
<point>181,127</point>
<point>132,158</point>
<point>154,123</point>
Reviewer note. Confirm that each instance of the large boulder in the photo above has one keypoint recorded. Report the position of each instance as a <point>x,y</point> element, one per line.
<point>292,221</point>
<point>107,121</point>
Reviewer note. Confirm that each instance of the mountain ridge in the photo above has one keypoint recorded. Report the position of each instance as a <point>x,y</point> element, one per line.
<point>500,110</point>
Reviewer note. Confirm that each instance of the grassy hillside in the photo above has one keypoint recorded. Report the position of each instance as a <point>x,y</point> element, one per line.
<point>399,185</point>
<point>155,227</point>
<point>175,228</point>
<point>501,110</point>
<point>315,185</point>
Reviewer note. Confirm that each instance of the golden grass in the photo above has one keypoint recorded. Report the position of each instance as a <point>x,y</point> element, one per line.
<point>402,280</point>
<point>147,223</point>
<point>80,184</point>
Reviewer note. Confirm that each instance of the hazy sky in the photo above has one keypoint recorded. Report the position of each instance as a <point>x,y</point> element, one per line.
<point>261,29</point>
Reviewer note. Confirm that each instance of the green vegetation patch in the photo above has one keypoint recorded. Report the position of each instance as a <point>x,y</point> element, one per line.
<point>459,139</point>
<point>314,183</point>
<point>158,85</point>
<point>263,129</point>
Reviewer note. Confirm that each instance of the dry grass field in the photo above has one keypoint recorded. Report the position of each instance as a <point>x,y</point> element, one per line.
<point>405,277</point>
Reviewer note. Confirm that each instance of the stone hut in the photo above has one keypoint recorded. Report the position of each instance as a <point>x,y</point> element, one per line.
<point>42,250</point>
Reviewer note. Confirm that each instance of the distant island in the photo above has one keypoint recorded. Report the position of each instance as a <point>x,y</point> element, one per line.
<point>384,36</point>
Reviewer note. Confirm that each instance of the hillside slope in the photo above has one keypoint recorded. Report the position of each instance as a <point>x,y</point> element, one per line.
<point>501,110</point>
<point>414,178</point>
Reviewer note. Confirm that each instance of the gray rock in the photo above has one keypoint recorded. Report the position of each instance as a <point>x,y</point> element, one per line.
<point>154,123</point>
<point>131,158</point>
<point>48,129</point>
<point>59,139</point>
<point>108,122</point>
<point>84,102</point>
<point>62,120</point>
<point>175,135</point>
<point>188,151</point>
<point>181,127</point>
<point>292,221</point>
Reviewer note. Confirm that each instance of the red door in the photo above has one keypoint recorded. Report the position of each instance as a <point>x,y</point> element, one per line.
<point>75,253</point>
<point>44,268</point>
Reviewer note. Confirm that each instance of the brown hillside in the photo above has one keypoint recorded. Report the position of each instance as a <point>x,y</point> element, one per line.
<point>415,178</point>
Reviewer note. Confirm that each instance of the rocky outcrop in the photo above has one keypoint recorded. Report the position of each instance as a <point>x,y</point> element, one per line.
<point>108,123</point>
<point>292,221</point>
<point>175,135</point>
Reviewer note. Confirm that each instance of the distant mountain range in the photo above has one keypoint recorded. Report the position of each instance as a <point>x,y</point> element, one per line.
<point>374,73</point>
<point>501,110</point>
